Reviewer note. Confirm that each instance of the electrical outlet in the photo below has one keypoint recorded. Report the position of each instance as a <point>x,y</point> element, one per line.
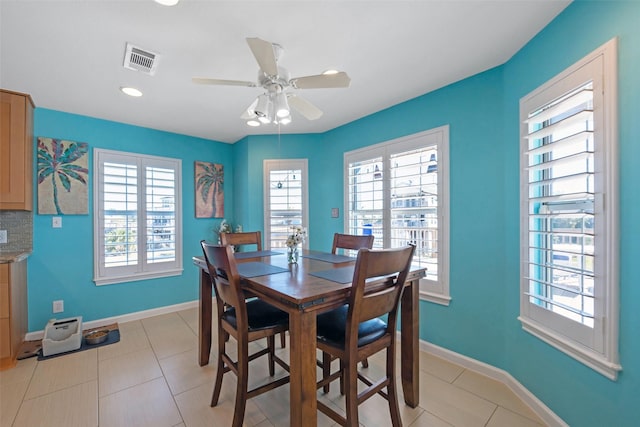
<point>56,222</point>
<point>58,306</point>
<point>3,236</point>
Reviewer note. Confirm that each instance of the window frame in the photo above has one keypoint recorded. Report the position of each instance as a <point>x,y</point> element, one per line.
<point>142,270</point>
<point>596,347</point>
<point>435,291</point>
<point>269,165</point>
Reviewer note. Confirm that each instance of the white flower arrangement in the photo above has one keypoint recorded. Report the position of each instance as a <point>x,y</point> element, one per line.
<point>225,227</point>
<point>297,236</point>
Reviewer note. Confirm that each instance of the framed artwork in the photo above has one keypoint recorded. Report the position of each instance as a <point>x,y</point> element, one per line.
<point>63,176</point>
<point>209,185</point>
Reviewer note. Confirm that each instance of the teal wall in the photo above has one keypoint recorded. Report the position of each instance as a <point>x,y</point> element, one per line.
<point>61,266</point>
<point>482,112</point>
<point>576,393</point>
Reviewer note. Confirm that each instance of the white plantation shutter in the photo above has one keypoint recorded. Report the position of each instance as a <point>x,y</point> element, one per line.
<point>398,191</point>
<point>137,217</point>
<point>366,214</point>
<point>561,206</point>
<point>568,226</point>
<point>285,199</point>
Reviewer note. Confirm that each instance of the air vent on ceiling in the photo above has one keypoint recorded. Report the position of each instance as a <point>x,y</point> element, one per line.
<point>139,59</point>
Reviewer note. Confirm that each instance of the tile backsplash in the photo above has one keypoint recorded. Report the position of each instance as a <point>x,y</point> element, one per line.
<point>19,226</point>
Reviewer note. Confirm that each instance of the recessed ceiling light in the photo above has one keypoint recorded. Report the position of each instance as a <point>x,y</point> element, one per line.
<point>167,2</point>
<point>131,91</point>
<point>253,123</point>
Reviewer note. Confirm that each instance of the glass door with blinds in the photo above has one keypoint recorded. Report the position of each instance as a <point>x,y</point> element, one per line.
<point>285,198</point>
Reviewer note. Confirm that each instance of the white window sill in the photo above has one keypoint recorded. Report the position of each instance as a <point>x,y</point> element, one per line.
<point>595,361</point>
<point>135,277</point>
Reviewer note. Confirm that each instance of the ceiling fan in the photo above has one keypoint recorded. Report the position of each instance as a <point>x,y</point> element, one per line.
<point>273,105</point>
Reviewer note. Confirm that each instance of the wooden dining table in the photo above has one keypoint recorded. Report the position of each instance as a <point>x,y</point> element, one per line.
<point>313,285</point>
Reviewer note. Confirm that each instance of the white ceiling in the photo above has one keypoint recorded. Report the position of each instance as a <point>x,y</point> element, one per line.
<point>68,54</point>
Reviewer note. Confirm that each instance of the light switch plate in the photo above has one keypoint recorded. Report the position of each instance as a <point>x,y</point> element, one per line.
<point>3,236</point>
<point>56,222</point>
<point>335,212</point>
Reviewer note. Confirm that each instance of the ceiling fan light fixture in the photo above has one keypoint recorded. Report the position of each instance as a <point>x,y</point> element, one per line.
<point>285,120</point>
<point>263,108</point>
<point>282,106</point>
<point>329,72</point>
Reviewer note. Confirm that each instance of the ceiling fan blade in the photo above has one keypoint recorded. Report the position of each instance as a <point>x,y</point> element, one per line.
<point>304,107</point>
<point>204,81</point>
<point>265,55</point>
<point>322,81</point>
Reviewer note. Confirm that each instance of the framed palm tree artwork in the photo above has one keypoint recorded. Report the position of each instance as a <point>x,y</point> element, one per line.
<point>209,184</point>
<point>63,177</point>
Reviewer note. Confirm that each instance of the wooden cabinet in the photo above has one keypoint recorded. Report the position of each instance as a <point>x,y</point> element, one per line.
<point>16,151</point>
<point>13,311</point>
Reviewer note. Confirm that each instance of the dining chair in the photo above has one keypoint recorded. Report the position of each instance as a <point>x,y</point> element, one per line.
<point>246,238</point>
<point>350,241</point>
<point>355,330</point>
<point>242,238</point>
<point>353,242</point>
<point>246,321</point>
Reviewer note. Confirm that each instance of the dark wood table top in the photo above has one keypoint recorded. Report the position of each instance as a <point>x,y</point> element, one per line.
<point>297,287</point>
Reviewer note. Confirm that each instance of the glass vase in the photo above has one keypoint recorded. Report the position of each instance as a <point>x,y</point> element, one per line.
<point>292,254</point>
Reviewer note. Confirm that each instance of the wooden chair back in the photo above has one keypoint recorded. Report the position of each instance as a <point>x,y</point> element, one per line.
<point>223,271</point>
<point>368,302</point>
<point>243,238</point>
<point>350,241</point>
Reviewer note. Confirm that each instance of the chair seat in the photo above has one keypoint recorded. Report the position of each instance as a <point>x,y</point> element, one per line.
<point>261,315</point>
<point>331,328</point>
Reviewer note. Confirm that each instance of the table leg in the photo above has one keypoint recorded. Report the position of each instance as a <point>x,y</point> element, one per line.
<point>410,355</point>
<point>204,318</point>
<point>302,363</point>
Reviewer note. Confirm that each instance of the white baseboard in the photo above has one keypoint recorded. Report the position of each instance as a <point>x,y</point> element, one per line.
<point>129,317</point>
<point>536,405</point>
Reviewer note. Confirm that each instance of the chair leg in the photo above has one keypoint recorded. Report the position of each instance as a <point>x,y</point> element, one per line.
<point>220,370</point>
<point>283,339</point>
<point>365,363</point>
<point>326,370</point>
<point>271,345</point>
<point>243,384</point>
<point>392,395</point>
<point>350,375</point>
<point>341,378</point>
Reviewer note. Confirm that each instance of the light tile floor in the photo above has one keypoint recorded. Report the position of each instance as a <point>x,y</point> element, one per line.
<point>152,378</point>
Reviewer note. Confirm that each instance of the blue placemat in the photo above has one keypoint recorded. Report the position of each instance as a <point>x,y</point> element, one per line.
<point>339,275</point>
<point>327,257</point>
<point>255,254</point>
<point>254,269</point>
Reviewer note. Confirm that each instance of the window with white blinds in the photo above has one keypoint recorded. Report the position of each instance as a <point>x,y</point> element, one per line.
<point>285,198</point>
<point>398,191</point>
<point>568,212</point>
<point>137,217</point>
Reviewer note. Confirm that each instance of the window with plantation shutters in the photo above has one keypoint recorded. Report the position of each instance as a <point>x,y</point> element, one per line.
<point>137,217</point>
<point>285,198</point>
<point>398,192</point>
<point>568,212</point>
